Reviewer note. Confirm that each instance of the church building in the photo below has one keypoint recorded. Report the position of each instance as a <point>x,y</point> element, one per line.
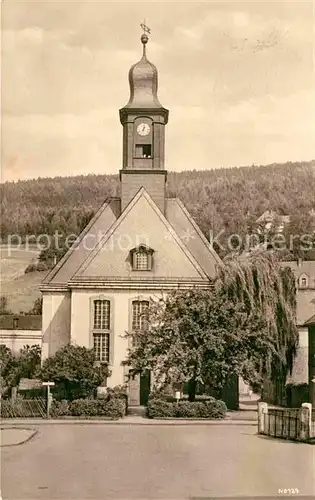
<point>137,246</point>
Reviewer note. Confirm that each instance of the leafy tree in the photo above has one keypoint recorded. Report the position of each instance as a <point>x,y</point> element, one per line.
<point>300,235</point>
<point>257,280</point>
<point>199,336</point>
<point>6,367</point>
<point>74,371</point>
<point>29,361</point>
<point>52,254</point>
<point>244,326</point>
<point>37,307</point>
<point>24,365</point>
<point>4,305</point>
<point>227,199</point>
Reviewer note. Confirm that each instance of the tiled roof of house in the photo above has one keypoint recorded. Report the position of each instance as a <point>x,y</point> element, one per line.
<point>310,321</point>
<point>306,267</point>
<point>305,297</point>
<point>271,215</point>
<point>20,322</point>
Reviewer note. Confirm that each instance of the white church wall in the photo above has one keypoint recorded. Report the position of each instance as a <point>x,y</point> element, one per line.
<point>121,317</point>
<point>56,322</point>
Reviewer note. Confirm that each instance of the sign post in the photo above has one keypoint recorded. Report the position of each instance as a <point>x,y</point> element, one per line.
<point>48,385</point>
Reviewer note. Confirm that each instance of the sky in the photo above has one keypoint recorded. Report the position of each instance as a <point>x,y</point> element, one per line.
<point>237,77</point>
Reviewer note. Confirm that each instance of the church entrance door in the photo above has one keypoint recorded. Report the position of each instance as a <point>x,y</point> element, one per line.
<point>145,382</point>
<point>134,391</point>
<point>139,389</point>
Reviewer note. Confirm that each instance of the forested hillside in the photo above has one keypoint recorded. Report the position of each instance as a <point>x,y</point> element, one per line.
<point>220,199</point>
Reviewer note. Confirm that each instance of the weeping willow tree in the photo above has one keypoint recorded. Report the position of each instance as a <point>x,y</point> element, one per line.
<point>266,288</point>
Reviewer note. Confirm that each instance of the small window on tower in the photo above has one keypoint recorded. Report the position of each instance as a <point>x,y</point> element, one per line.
<point>143,151</point>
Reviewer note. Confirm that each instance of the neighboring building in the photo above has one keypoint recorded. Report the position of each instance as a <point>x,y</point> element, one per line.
<point>16,331</point>
<point>270,219</point>
<point>310,324</point>
<point>298,384</point>
<point>137,246</point>
<point>304,272</point>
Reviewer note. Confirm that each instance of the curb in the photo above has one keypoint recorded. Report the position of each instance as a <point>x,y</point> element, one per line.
<point>144,422</point>
<point>35,431</point>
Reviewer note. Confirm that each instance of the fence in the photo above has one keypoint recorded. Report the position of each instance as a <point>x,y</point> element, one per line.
<point>283,423</point>
<point>287,423</point>
<point>24,408</point>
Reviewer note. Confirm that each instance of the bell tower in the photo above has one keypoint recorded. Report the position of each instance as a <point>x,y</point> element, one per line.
<point>143,120</point>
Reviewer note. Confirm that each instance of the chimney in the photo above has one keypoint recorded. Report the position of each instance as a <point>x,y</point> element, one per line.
<point>299,262</point>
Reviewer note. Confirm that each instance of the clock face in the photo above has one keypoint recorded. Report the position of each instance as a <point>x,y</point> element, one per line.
<point>143,129</point>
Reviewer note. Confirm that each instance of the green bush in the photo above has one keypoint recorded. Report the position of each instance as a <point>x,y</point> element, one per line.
<point>59,408</point>
<point>210,408</point>
<point>185,409</point>
<point>39,266</point>
<point>113,408</point>
<point>74,372</point>
<point>158,408</point>
<point>118,392</point>
<point>84,407</point>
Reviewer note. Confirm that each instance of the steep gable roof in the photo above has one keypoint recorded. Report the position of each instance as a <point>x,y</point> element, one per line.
<point>141,218</point>
<point>86,241</point>
<point>192,236</point>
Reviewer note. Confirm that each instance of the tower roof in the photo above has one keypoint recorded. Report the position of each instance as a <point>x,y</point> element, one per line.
<point>143,81</point>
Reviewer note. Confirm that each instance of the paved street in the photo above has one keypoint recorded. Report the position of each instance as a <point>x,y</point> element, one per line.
<point>150,462</point>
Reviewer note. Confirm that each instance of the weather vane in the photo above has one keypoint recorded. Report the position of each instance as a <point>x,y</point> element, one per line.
<point>146,29</point>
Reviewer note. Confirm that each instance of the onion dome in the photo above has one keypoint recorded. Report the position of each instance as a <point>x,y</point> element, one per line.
<point>143,81</point>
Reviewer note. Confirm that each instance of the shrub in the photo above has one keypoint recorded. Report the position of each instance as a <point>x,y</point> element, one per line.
<point>209,408</point>
<point>59,408</point>
<point>84,407</point>
<point>114,408</point>
<point>185,409</point>
<point>39,266</point>
<point>158,408</point>
<point>74,372</point>
<point>118,392</point>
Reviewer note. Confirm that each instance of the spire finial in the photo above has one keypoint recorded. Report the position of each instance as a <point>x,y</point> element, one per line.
<point>144,36</point>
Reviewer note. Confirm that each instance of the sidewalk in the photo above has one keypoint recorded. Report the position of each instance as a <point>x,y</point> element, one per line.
<point>232,418</point>
<point>15,436</point>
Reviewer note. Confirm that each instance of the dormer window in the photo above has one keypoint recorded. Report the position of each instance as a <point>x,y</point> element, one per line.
<point>142,258</point>
<point>303,281</point>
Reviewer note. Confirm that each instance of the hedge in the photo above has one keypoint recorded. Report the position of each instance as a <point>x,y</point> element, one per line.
<point>210,408</point>
<point>113,408</point>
